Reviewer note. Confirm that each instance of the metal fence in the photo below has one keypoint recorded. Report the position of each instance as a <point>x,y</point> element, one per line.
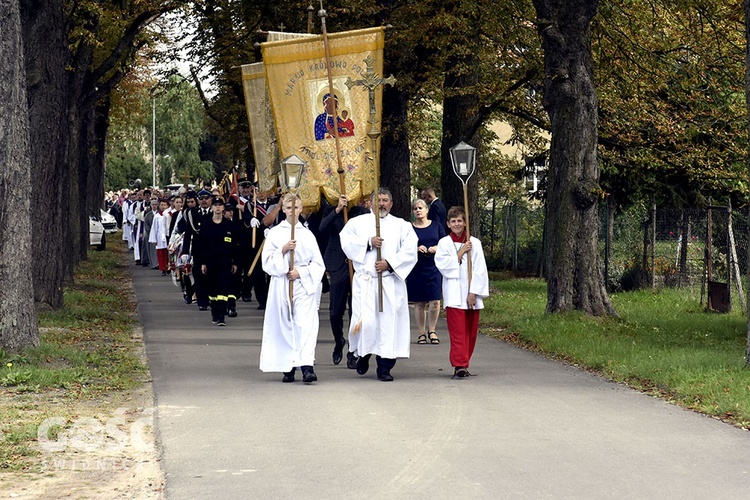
<point>644,246</point>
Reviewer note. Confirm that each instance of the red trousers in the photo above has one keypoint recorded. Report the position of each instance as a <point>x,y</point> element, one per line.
<point>162,255</point>
<point>462,328</point>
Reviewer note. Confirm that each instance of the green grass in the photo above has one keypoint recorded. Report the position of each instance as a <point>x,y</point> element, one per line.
<point>664,343</point>
<point>85,360</point>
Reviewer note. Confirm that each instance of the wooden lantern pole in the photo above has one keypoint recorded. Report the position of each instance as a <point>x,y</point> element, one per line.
<point>468,232</point>
<point>464,170</point>
<point>291,251</point>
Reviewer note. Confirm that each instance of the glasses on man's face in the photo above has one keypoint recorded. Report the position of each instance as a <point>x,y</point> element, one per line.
<point>204,197</point>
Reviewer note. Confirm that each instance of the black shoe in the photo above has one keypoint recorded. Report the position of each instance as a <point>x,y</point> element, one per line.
<point>308,375</point>
<point>385,375</point>
<point>203,308</point>
<point>338,351</point>
<point>221,321</point>
<point>214,319</point>
<point>261,307</point>
<point>461,372</point>
<point>351,361</point>
<point>289,376</point>
<point>232,313</point>
<point>188,300</point>
<point>363,364</point>
<point>137,262</point>
<point>246,298</point>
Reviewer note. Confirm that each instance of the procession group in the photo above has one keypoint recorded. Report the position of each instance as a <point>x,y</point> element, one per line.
<point>372,264</point>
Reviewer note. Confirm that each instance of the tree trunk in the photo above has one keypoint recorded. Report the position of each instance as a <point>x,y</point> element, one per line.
<point>747,101</point>
<point>18,325</point>
<point>395,155</point>
<point>83,167</point>
<point>95,196</point>
<point>575,279</point>
<point>45,49</point>
<point>394,151</point>
<point>461,117</point>
<point>75,202</point>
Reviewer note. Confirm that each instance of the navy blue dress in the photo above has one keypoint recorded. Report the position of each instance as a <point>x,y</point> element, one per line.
<point>425,281</point>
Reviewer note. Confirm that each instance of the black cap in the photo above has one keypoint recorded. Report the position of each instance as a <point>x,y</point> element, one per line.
<point>217,201</point>
<point>204,193</point>
<point>191,194</point>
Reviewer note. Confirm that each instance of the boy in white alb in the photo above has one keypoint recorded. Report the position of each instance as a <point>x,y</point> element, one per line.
<point>462,293</point>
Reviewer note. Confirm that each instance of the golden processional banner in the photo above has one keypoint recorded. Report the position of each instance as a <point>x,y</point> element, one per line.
<point>260,119</point>
<point>262,134</point>
<point>305,110</point>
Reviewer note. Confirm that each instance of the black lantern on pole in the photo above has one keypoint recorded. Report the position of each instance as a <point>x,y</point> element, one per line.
<point>464,160</point>
<point>291,171</point>
<point>292,168</point>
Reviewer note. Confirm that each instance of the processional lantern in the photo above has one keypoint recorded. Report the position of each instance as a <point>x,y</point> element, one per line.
<point>464,161</point>
<point>291,170</point>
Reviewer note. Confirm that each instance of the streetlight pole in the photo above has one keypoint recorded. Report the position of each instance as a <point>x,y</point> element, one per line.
<point>153,136</point>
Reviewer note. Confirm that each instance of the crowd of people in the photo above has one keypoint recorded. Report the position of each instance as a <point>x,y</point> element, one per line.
<point>222,249</point>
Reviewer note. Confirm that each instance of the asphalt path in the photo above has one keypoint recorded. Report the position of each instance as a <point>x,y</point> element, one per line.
<point>523,427</point>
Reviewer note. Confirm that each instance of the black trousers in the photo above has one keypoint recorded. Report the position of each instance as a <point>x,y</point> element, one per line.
<point>257,281</point>
<point>384,364</point>
<point>187,284</point>
<point>200,286</point>
<point>218,280</point>
<point>340,299</point>
<point>245,281</point>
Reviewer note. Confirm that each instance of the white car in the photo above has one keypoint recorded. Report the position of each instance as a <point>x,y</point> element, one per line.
<point>174,189</point>
<point>97,236</point>
<point>108,221</point>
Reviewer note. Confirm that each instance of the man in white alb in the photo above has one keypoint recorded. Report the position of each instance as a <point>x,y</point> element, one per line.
<point>385,334</point>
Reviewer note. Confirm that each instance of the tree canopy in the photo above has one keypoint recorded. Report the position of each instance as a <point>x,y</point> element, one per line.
<point>670,79</point>
<point>180,122</point>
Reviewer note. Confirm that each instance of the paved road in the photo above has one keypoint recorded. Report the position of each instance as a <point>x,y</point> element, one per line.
<point>524,427</point>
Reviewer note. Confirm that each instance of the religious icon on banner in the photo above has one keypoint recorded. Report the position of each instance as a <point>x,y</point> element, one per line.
<point>334,114</point>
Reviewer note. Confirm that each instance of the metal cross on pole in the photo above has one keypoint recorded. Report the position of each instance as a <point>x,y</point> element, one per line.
<point>185,178</point>
<point>371,81</point>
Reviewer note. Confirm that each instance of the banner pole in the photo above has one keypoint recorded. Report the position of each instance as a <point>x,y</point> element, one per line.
<point>334,108</point>
<point>342,182</point>
<point>255,202</point>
